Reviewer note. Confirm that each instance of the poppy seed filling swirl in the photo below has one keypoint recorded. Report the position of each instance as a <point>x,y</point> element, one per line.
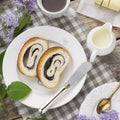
<point>31,54</point>
<point>52,65</point>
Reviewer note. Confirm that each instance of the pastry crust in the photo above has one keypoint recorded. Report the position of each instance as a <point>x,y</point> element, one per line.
<point>51,65</point>
<point>30,54</point>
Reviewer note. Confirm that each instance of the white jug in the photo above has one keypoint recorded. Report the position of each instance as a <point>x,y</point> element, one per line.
<point>101,41</point>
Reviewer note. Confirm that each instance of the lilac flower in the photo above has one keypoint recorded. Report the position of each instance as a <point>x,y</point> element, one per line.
<point>7,40</point>
<point>84,117</point>
<point>10,33</point>
<point>9,20</point>
<point>109,115</point>
<point>9,24</point>
<point>7,35</point>
<point>19,4</point>
<point>28,5</point>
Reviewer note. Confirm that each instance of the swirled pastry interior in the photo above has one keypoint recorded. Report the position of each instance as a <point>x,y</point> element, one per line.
<point>30,54</point>
<point>51,65</point>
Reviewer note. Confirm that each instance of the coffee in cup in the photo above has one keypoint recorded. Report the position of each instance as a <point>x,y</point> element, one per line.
<point>56,8</point>
<point>54,5</point>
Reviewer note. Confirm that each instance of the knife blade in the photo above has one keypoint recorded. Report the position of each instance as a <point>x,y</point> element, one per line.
<point>76,76</point>
<point>80,72</point>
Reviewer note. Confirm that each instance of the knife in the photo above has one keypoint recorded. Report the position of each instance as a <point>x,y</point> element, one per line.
<point>76,76</point>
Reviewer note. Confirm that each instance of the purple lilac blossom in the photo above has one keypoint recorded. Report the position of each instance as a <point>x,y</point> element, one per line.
<point>29,5</point>
<point>84,117</point>
<point>19,4</point>
<point>109,115</point>
<point>9,20</point>
<point>10,33</point>
<point>9,23</point>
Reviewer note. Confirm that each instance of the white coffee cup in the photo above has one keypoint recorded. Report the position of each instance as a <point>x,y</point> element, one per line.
<point>101,41</point>
<point>66,11</point>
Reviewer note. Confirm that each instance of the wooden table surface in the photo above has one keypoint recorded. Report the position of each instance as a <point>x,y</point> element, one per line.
<point>112,59</point>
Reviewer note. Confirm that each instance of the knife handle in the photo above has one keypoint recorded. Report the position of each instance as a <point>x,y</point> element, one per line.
<point>46,106</point>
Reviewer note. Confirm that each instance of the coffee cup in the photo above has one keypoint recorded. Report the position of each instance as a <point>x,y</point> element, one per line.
<point>101,41</point>
<point>56,8</point>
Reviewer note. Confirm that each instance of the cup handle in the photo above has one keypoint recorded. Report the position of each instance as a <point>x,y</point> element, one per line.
<point>70,12</point>
<point>93,55</point>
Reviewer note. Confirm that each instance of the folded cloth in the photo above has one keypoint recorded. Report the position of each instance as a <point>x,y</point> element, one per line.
<point>91,9</point>
<point>99,75</point>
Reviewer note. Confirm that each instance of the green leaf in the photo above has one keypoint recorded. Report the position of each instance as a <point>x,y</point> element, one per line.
<point>36,119</point>
<point>18,90</point>
<point>2,92</point>
<point>24,21</point>
<point>1,61</point>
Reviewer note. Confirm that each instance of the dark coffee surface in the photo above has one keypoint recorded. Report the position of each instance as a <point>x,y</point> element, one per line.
<point>54,5</point>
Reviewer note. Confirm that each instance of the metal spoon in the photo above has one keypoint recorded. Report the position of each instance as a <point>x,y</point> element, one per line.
<point>105,103</point>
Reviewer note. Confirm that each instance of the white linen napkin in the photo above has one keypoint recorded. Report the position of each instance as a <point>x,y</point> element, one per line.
<point>91,9</point>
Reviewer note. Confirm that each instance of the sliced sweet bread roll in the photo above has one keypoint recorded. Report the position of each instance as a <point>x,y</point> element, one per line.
<point>51,65</point>
<point>30,54</point>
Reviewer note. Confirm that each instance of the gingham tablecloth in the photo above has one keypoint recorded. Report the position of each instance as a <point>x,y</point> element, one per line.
<point>99,75</point>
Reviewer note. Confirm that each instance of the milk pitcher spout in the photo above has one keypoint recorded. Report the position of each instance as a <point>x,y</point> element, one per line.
<point>108,26</point>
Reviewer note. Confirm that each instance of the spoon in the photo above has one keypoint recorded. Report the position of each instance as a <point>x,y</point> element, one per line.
<point>105,103</point>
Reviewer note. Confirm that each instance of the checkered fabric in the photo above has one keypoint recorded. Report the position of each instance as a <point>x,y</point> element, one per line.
<point>100,74</point>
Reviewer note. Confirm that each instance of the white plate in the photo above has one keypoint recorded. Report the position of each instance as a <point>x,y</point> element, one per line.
<point>40,94</point>
<point>88,107</point>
